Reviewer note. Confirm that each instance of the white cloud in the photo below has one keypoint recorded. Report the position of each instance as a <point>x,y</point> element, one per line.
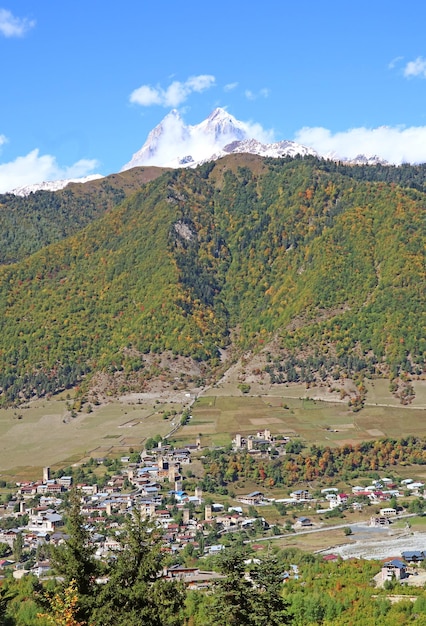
<point>230,86</point>
<point>174,95</point>
<point>256,131</point>
<point>262,93</point>
<point>416,68</point>
<point>395,144</point>
<point>36,168</point>
<point>3,140</point>
<point>394,62</point>
<point>11,26</point>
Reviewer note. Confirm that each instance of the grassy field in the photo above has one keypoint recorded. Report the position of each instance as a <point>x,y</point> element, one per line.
<point>217,417</point>
<point>46,434</point>
<point>313,542</point>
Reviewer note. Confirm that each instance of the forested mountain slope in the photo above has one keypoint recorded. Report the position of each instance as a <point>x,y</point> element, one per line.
<point>244,248</point>
<point>29,223</point>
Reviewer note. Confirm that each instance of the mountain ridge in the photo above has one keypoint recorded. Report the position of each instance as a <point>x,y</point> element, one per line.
<point>172,143</point>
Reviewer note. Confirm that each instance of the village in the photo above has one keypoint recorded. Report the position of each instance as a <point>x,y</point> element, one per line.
<point>192,523</point>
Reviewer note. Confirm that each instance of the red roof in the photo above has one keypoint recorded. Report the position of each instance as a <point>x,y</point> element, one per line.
<point>330,557</point>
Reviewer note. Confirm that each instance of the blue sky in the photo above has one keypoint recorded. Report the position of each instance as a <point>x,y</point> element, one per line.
<point>84,82</point>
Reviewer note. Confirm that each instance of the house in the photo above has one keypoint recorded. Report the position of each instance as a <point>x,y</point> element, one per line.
<point>394,569</point>
<point>302,522</point>
<point>41,568</point>
<point>215,549</point>
<point>300,495</point>
<point>180,496</point>
<point>47,521</point>
<point>388,512</point>
<point>65,481</point>
<point>415,487</point>
<point>192,577</point>
<point>9,536</point>
<point>253,498</point>
<point>178,572</point>
<point>413,556</point>
<point>54,488</point>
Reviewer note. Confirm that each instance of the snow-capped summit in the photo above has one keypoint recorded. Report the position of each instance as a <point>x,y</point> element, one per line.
<point>221,124</point>
<point>173,144</point>
<point>170,131</point>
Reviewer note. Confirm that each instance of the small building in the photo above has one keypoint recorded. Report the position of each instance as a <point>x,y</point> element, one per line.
<point>394,569</point>
<point>65,481</point>
<point>253,498</point>
<point>302,522</point>
<point>413,556</point>
<point>387,512</point>
<point>301,495</point>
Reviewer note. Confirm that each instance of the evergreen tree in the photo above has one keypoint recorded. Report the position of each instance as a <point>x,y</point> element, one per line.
<point>270,608</point>
<point>134,593</point>
<point>74,561</point>
<point>18,545</point>
<point>233,594</point>
<point>254,600</point>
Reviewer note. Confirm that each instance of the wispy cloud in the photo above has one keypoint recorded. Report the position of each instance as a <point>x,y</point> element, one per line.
<point>174,95</point>
<point>36,168</point>
<point>395,144</point>
<point>230,86</point>
<point>262,93</point>
<point>392,64</point>
<point>3,140</point>
<point>11,26</point>
<point>416,68</point>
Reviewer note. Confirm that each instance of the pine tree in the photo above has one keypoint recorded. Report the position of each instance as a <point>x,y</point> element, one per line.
<point>232,595</point>
<point>135,593</point>
<point>74,561</point>
<point>253,600</point>
<point>269,607</point>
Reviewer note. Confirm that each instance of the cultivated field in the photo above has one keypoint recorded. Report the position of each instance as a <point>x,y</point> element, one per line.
<point>44,433</point>
<point>292,410</point>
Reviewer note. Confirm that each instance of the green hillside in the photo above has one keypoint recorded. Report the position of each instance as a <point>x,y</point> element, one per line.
<point>243,248</point>
<point>28,224</point>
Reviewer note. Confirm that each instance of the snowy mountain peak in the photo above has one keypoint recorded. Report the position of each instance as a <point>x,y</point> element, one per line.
<point>170,131</point>
<point>173,144</point>
<point>221,124</point>
<point>220,113</point>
